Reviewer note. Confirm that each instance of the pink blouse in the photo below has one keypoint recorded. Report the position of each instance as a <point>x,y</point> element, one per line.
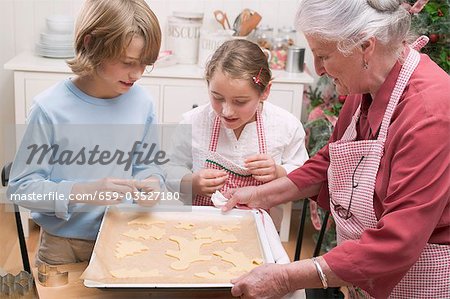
<point>412,189</point>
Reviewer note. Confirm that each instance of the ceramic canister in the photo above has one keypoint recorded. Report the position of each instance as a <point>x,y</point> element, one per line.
<point>184,36</point>
<point>210,42</point>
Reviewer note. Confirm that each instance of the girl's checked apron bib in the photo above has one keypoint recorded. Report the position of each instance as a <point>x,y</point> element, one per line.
<point>352,174</point>
<point>237,175</point>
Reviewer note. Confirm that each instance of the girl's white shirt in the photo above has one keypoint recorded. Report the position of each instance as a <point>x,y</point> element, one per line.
<point>285,139</point>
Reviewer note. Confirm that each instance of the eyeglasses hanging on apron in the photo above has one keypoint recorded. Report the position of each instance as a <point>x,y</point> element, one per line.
<point>238,176</point>
<point>352,200</point>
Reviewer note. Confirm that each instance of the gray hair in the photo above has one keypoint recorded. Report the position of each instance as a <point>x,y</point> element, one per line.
<point>351,22</point>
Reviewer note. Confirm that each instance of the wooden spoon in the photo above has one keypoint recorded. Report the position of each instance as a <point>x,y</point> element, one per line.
<point>249,24</point>
<point>222,18</point>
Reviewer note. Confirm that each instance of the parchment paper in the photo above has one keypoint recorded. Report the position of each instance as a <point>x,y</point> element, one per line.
<point>115,224</point>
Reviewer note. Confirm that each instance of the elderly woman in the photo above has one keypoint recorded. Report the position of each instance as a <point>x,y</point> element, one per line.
<point>385,171</point>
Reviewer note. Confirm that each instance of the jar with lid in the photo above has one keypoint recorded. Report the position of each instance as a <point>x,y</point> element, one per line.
<point>264,36</point>
<point>288,34</point>
<point>184,35</point>
<point>279,54</point>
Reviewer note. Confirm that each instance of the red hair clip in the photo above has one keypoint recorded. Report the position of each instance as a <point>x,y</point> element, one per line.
<point>256,79</point>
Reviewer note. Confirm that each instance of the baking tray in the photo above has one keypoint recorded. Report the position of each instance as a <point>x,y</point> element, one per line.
<point>195,212</point>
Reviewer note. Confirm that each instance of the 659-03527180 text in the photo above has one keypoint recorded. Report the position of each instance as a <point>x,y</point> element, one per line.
<point>98,195</point>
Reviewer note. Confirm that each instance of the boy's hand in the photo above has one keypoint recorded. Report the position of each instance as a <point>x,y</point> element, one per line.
<point>208,181</point>
<point>107,191</point>
<point>263,167</point>
<point>149,191</point>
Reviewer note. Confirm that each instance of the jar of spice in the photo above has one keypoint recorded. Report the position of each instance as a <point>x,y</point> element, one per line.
<point>279,54</point>
<point>288,34</point>
<point>264,36</point>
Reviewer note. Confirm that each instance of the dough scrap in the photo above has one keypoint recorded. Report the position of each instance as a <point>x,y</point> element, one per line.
<point>240,261</point>
<point>185,225</point>
<point>135,272</point>
<point>128,248</point>
<point>145,220</point>
<point>145,234</point>
<point>209,233</point>
<point>189,252</point>
<point>214,272</point>
<point>230,228</point>
<point>231,225</point>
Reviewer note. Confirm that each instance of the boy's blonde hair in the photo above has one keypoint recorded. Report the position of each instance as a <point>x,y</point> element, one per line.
<point>241,59</point>
<point>110,26</point>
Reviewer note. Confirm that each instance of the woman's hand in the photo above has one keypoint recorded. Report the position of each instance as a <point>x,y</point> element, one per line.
<point>149,191</point>
<point>208,181</point>
<point>107,191</point>
<point>266,281</point>
<point>263,167</point>
<point>247,196</point>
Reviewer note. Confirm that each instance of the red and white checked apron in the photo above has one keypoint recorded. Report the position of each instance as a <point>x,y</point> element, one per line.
<point>237,175</point>
<point>348,172</point>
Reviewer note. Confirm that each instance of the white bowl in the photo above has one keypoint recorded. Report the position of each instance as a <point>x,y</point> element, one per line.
<point>49,38</point>
<point>60,24</point>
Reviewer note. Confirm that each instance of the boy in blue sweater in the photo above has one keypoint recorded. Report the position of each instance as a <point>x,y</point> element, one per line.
<point>87,136</point>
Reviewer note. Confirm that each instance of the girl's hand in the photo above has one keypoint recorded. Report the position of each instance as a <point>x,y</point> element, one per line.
<point>263,168</point>
<point>208,181</point>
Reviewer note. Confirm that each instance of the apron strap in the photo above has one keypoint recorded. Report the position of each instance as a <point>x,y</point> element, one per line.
<point>420,42</point>
<point>408,68</point>
<point>259,130</point>
<point>214,134</point>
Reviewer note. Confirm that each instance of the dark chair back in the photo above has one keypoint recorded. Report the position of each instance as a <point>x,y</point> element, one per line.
<point>23,245</point>
<point>5,174</point>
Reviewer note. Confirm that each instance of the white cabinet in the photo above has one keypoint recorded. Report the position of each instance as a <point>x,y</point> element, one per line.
<point>176,89</point>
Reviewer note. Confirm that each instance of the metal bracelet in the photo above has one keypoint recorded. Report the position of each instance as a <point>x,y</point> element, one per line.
<point>322,276</point>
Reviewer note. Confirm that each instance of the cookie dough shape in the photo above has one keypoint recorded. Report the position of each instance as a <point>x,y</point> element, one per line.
<point>240,261</point>
<point>230,228</point>
<point>145,220</point>
<point>215,273</point>
<point>184,225</point>
<point>129,248</point>
<point>209,233</point>
<point>135,272</point>
<point>189,252</point>
<point>145,234</point>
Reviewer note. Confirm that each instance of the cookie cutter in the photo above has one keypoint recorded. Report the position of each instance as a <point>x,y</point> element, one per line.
<point>49,276</point>
<point>20,284</point>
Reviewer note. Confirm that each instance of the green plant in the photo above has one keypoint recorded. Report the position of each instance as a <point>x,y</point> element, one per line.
<point>434,22</point>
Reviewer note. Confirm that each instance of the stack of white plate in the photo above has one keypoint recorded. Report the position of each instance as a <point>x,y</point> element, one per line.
<point>57,42</point>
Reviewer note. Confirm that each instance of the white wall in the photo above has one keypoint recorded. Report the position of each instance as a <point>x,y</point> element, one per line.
<point>21,21</point>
